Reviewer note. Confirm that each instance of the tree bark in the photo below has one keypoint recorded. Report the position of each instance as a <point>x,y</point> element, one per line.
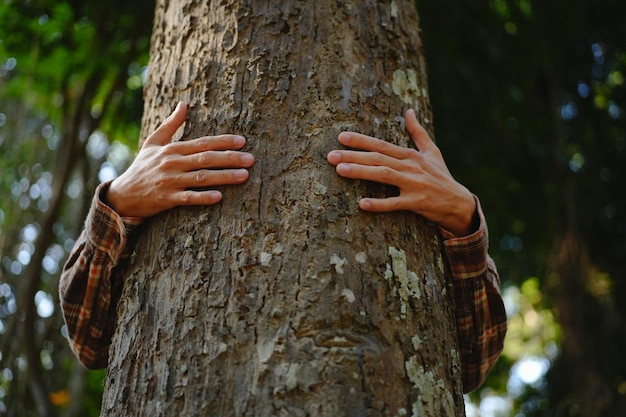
<point>285,299</point>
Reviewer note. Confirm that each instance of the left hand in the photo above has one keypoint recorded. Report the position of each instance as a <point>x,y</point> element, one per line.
<point>168,174</point>
<point>426,186</point>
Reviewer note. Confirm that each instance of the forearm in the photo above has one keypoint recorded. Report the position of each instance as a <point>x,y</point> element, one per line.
<point>90,282</point>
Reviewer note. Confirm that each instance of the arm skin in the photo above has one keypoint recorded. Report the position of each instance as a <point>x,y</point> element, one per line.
<point>161,177</point>
<point>428,189</point>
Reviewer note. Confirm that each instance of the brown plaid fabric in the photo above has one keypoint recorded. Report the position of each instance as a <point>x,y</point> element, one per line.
<point>480,314</point>
<point>88,284</point>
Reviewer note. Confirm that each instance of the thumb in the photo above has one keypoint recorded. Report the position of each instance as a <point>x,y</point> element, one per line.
<point>163,134</point>
<point>418,133</point>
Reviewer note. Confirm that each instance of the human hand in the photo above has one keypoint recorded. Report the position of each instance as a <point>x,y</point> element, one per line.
<point>426,186</point>
<point>167,174</point>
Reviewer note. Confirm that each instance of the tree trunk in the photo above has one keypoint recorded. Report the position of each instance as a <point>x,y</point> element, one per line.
<point>285,299</point>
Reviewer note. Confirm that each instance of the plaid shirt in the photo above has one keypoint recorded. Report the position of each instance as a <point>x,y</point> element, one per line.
<point>90,288</point>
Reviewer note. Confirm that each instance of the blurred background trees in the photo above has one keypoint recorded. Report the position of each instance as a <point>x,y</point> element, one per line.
<point>528,100</point>
<point>70,79</point>
<point>529,105</point>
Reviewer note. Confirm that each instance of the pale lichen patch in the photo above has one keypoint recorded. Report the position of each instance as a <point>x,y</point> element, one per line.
<point>338,262</point>
<point>361,257</point>
<point>405,86</point>
<point>319,188</point>
<point>265,258</point>
<point>278,249</point>
<point>455,359</point>
<point>408,282</point>
<point>348,295</point>
<point>417,342</point>
<point>394,10</point>
<point>439,258</point>
<point>388,272</point>
<point>265,351</point>
<point>413,284</point>
<point>433,395</point>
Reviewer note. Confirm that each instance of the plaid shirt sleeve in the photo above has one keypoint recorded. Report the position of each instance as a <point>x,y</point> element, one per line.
<point>480,314</point>
<point>89,288</point>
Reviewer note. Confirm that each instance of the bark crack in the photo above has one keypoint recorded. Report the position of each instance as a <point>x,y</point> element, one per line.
<point>298,287</point>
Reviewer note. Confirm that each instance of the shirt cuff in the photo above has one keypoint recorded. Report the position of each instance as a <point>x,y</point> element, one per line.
<point>467,255</point>
<point>107,230</point>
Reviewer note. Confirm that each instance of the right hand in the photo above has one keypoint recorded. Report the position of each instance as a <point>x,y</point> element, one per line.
<point>166,174</point>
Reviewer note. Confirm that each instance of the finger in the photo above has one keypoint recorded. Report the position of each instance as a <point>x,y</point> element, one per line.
<point>216,160</point>
<point>207,143</point>
<point>384,175</point>
<point>196,198</point>
<point>211,178</point>
<point>417,132</point>
<point>163,134</point>
<point>365,158</point>
<point>380,205</point>
<point>371,144</point>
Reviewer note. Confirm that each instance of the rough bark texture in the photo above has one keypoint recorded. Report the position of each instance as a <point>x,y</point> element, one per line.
<point>285,299</point>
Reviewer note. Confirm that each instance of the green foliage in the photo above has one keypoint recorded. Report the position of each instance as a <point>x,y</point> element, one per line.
<point>532,327</point>
<point>93,398</point>
<point>59,47</point>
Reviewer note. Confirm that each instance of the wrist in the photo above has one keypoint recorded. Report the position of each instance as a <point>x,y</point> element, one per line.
<point>464,220</point>
<point>113,199</point>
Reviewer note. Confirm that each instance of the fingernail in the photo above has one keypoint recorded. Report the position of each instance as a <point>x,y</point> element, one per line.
<point>246,158</point>
<point>333,157</point>
<point>241,174</point>
<point>239,140</point>
<point>343,169</point>
<point>215,195</point>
